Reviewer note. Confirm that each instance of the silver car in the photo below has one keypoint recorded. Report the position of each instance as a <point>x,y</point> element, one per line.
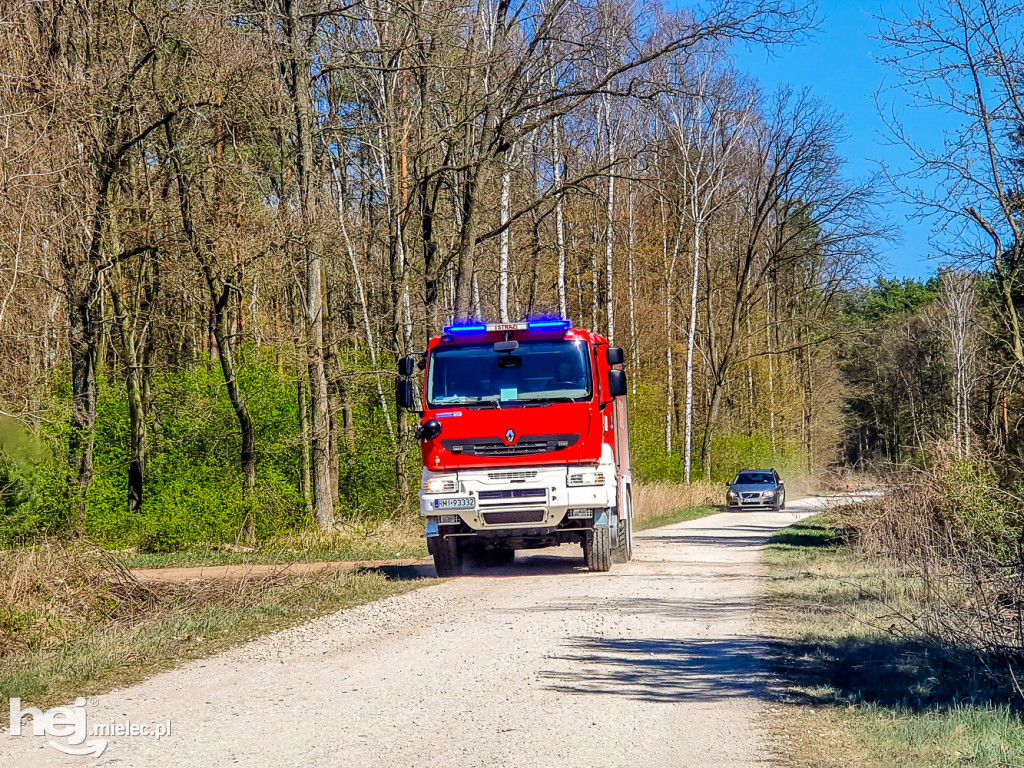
<point>756,489</point>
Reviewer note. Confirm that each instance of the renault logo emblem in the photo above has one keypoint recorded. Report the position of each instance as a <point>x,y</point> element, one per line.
<point>510,436</point>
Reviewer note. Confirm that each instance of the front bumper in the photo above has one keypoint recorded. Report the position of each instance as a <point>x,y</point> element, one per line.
<point>751,504</point>
<point>517,497</point>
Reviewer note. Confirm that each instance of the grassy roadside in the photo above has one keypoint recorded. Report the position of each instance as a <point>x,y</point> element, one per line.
<point>76,625</point>
<point>677,516</point>
<point>381,541</point>
<point>656,504</point>
<point>661,503</point>
<point>855,694</point>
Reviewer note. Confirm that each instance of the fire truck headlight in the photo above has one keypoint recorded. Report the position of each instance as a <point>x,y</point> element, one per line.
<point>440,485</point>
<point>586,478</point>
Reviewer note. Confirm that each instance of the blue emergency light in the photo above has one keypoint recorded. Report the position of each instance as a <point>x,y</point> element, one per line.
<point>465,329</point>
<point>549,325</point>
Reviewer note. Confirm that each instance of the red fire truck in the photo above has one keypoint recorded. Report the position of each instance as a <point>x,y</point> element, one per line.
<point>525,442</point>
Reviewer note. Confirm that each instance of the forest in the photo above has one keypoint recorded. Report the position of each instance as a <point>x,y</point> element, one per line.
<point>222,224</point>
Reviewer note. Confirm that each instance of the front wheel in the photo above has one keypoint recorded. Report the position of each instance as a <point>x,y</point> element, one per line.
<point>448,557</point>
<point>597,550</point>
<point>780,504</point>
<point>622,552</point>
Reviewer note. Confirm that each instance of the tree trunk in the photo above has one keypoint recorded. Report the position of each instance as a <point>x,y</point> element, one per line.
<point>302,397</point>
<point>220,296</point>
<point>770,323</point>
<point>504,240</point>
<point>631,290</point>
<point>320,434</point>
<point>610,228</point>
<point>563,306</point>
<point>82,437</point>
<point>134,386</point>
<point>691,337</point>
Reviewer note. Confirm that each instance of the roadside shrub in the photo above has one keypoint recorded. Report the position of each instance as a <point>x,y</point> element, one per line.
<point>26,480</point>
<point>957,535</point>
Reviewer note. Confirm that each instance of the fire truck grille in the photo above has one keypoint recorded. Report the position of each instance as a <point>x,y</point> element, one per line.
<point>528,445</point>
<point>526,474</point>
<point>516,493</point>
<point>512,516</point>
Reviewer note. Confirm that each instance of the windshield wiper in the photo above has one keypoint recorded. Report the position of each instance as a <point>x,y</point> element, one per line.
<point>483,404</point>
<point>541,401</point>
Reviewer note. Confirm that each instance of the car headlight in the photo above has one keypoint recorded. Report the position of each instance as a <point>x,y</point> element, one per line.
<point>440,485</point>
<point>733,495</point>
<point>586,478</point>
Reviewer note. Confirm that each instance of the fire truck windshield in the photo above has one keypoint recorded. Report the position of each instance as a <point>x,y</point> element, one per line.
<point>535,372</point>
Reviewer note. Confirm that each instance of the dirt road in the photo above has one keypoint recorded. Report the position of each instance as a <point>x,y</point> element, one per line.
<point>542,666</point>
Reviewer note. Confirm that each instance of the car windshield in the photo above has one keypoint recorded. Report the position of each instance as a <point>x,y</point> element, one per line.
<point>535,372</point>
<point>754,478</point>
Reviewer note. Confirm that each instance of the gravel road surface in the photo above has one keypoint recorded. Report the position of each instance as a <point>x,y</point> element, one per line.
<point>541,665</point>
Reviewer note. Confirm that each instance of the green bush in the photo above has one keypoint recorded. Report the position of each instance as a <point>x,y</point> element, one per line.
<point>984,517</point>
<point>27,478</point>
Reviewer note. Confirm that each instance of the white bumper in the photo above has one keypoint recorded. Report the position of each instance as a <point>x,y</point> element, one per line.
<point>516,497</point>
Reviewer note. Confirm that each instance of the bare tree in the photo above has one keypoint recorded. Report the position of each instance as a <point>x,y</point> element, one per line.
<point>707,125</point>
<point>959,302</point>
<point>964,58</point>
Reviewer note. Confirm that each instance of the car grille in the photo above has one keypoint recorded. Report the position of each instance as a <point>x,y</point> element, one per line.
<point>528,445</point>
<point>751,496</point>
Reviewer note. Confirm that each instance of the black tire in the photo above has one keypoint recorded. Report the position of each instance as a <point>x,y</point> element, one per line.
<point>448,557</point>
<point>597,550</point>
<point>622,552</point>
<point>782,504</point>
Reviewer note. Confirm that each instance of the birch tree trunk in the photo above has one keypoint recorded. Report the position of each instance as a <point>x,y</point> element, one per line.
<point>631,289</point>
<point>770,332</point>
<point>563,307</point>
<point>691,337</point>
<point>610,228</point>
<point>506,213</point>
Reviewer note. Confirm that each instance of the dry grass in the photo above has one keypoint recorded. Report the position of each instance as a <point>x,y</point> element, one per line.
<point>351,540</point>
<point>660,499</point>
<point>74,621</point>
<point>854,686</point>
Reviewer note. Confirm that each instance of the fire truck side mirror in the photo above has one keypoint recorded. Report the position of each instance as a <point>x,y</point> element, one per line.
<point>406,366</point>
<point>429,429</point>
<point>404,394</point>
<point>616,382</point>
<point>615,356</point>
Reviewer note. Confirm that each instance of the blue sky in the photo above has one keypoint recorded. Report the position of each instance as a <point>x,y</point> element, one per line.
<point>838,64</point>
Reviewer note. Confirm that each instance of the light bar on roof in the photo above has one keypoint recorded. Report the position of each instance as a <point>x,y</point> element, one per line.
<point>475,329</point>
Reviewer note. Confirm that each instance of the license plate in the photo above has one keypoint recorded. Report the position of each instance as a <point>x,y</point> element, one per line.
<point>465,502</point>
